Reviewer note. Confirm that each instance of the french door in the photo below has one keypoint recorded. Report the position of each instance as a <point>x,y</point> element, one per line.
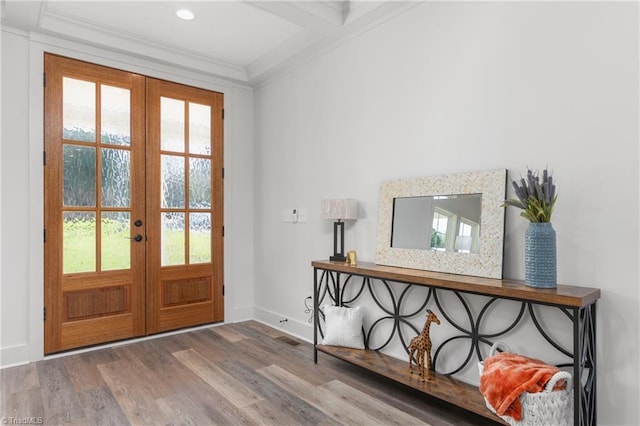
<point>184,249</point>
<point>133,205</point>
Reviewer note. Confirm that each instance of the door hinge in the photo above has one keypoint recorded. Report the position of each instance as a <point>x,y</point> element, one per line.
<point>223,231</point>
<point>223,113</point>
<point>44,158</point>
<point>223,173</point>
<point>44,79</point>
<point>223,290</point>
<point>44,314</point>
<point>44,235</point>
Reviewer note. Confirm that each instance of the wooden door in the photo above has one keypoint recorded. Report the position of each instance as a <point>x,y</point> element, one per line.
<point>184,214</point>
<point>94,201</point>
<point>133,205</point>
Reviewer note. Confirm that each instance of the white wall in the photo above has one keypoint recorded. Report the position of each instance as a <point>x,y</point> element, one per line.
<point>21,327</point>
<point>443,88</point>
<point>14,171</point>
<point>453,87</point>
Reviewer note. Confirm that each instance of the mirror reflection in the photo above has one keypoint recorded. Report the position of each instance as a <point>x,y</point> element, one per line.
<point>438,223</point>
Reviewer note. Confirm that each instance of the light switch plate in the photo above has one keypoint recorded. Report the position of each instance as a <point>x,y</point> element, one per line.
<point>289,215</point>
<point>302,215</point>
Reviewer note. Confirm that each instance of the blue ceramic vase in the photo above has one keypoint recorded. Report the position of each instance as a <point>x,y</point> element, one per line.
<point>540,255</point>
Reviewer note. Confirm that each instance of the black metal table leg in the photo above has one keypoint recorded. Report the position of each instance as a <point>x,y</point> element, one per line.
<point>315,314</point>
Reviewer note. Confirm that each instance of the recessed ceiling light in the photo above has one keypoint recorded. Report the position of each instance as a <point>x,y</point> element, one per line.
<point>185,14</point>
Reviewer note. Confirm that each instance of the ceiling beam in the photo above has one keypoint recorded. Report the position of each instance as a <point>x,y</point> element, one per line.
<point>315,16</point>
<point>21,14</point>
<point>306,44</point>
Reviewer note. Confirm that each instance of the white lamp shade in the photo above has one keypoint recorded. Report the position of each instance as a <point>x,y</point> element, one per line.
<point>341,208</point>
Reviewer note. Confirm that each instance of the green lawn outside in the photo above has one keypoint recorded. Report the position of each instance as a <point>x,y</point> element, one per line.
<point>79,246</point>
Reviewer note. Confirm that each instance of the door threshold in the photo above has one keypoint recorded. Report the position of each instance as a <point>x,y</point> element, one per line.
<point>129,341</point>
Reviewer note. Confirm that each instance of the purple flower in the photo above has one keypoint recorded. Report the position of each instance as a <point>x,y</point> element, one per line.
<point>535,197</point>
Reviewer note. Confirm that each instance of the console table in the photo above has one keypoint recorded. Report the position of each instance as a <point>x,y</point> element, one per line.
<point>578,304</point>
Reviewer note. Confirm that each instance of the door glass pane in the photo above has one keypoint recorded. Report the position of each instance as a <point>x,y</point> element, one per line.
<point>115,121</point>
<point>116,245</point>
<point>199,129</point>
<point>199,237</point>
<point>78,110</point>
<point>171,125</point>
<point>173,181</point>
<point>79,174</point>
<point>78,242</point>
<point>116,177</point>
<point>199,183</point>
<point>173,239</point>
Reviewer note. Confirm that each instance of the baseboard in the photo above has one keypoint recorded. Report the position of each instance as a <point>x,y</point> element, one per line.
<point>241,314</point>
<point>14,355</point>
<point>300,329</point>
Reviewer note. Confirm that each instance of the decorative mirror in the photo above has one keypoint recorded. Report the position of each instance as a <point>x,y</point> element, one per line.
<point>452,223</point>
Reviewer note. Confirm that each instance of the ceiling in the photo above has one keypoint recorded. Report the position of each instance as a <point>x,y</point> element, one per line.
<point>247,41</point>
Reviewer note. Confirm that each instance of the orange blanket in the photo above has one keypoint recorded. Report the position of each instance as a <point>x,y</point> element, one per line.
<point>505,376</point>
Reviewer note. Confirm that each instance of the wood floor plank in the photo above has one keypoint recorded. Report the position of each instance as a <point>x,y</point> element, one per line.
<point>273,352</point>
<point>157,359</point>
<point>256,354</point>
<point>60,401</point>
<point>321,398</point>
<point>19,379</point>
<point>268,350</point>
<point>228,333</point>
<point>172,343</point>
<point>264,329</point>
<point>211,342</point>
<point>83,371</point>
<point>211,345</point>
<point>101,407</point>
<point>133,393</point>
<point>385,413</point>
<point>403,398</point>
<point>237,393</point>
<point>25,404</point>
<point>268,414</point>
<point>283,407</point>
<point>197,399</point>
<point>267,373</point>
<point>179,409</point>
<point>156,367</point>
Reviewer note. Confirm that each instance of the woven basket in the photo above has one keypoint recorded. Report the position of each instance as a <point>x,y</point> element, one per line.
<point>545,408</point>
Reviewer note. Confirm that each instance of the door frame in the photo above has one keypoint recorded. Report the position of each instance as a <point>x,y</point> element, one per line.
<point>33,348</point>
<point>98,306</point>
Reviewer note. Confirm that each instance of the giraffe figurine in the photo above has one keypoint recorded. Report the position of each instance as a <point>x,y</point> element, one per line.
<point>421,346</point>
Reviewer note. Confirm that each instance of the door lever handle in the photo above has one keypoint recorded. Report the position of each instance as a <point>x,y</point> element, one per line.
<point>138,238</point>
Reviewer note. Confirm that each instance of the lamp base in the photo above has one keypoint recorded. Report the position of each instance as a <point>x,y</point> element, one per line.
<point>338,258</point>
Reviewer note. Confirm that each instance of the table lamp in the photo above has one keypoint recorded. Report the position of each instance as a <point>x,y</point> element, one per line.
<point>339,210</point>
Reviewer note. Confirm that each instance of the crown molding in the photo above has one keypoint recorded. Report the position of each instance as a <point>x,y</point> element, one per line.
<point>324,26</point>
<point>131,63</point>
<point>100,35</point>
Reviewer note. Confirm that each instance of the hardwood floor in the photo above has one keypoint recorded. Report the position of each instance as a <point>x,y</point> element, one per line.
<point>237,374</point>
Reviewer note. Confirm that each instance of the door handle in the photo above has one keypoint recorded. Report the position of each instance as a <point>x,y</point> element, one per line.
<point>138,223</point>
<point>137,238</point>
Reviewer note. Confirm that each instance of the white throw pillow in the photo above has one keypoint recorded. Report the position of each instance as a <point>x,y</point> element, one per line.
<point>343,327</point>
